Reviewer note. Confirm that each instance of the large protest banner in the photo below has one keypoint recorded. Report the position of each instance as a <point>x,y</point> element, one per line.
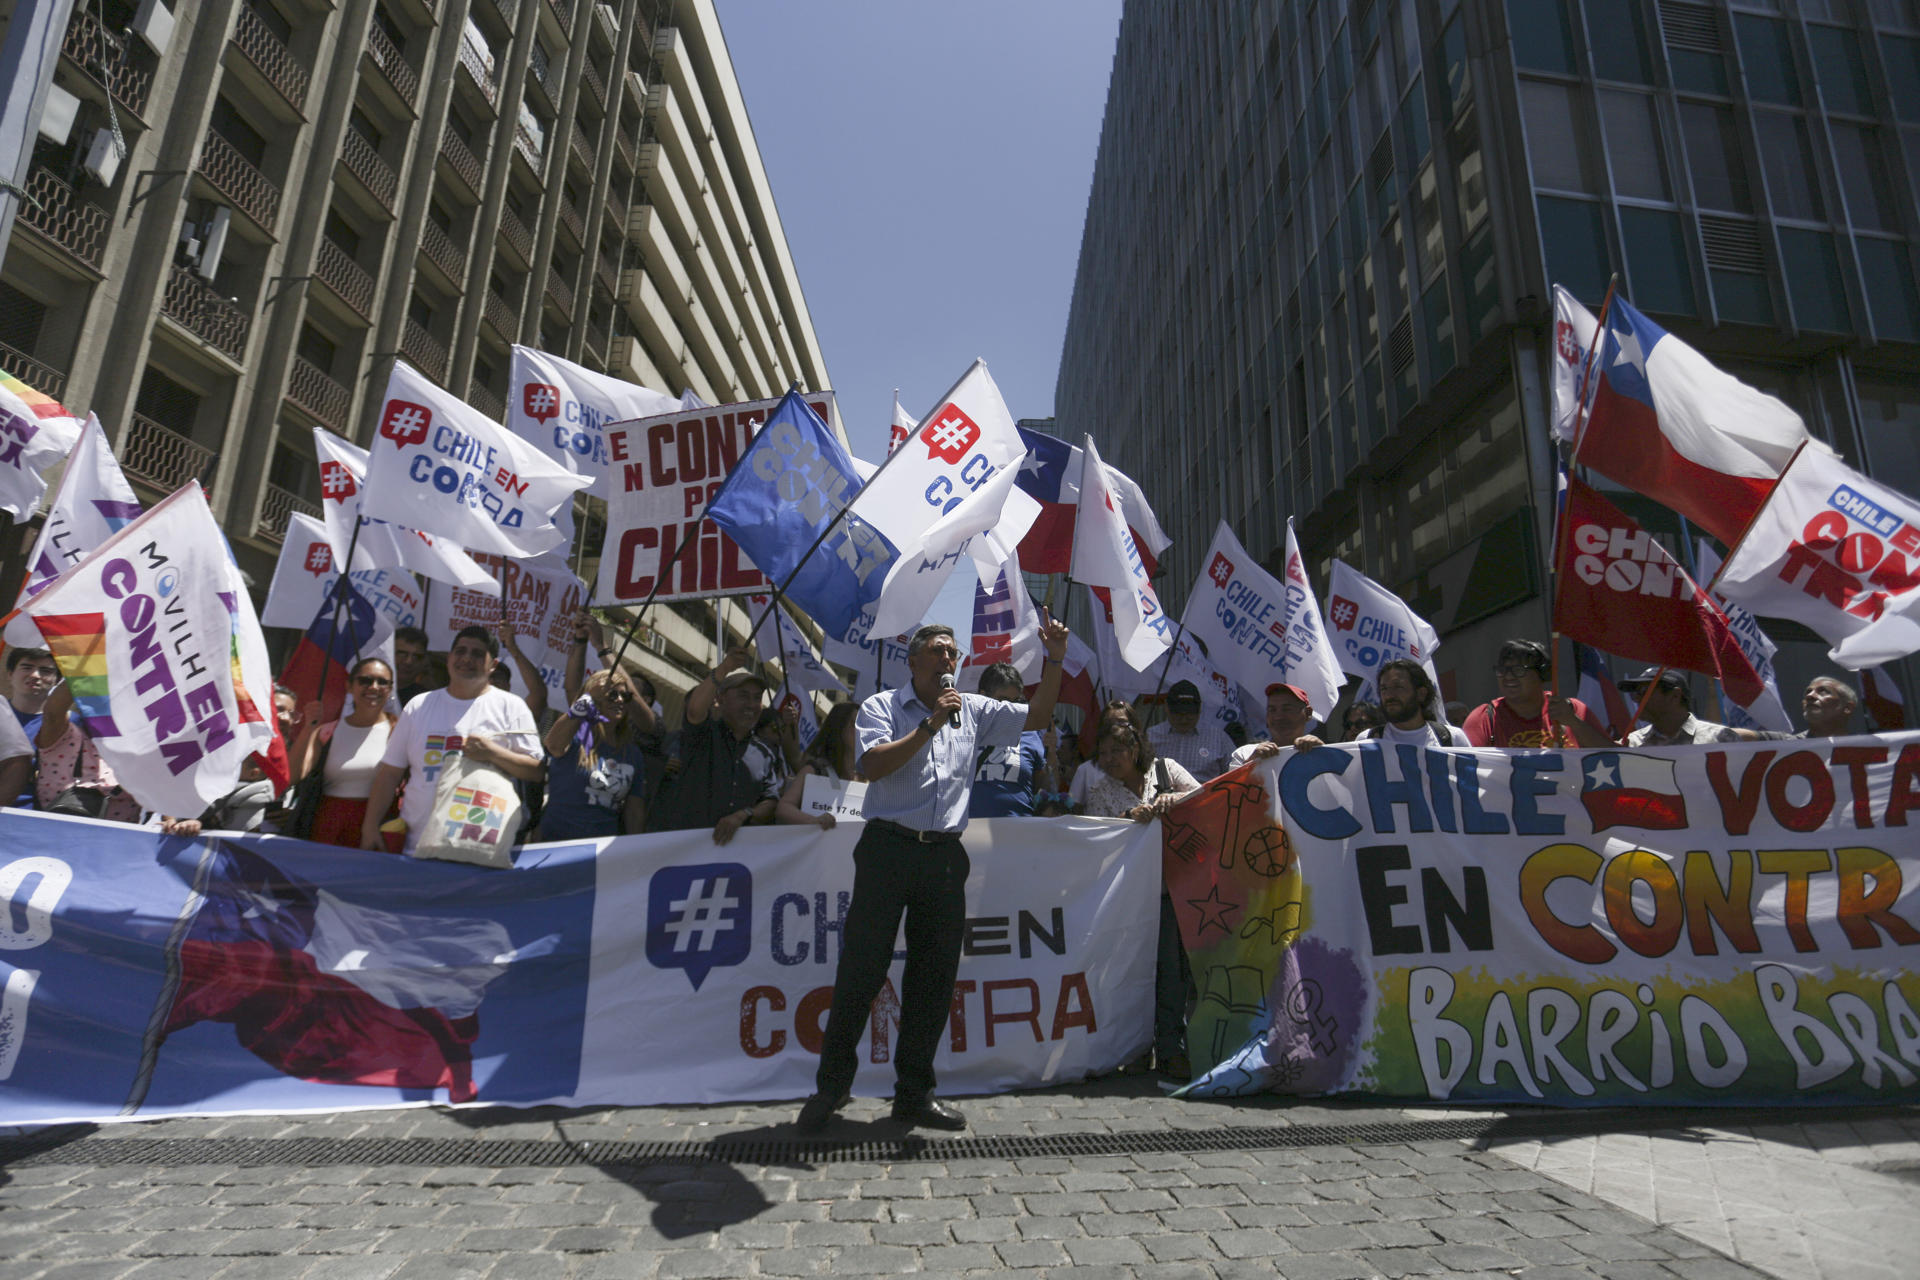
<point>661,474</point>
<point>145,975</point>
<point>537,597</point>
<point>1730,925</point>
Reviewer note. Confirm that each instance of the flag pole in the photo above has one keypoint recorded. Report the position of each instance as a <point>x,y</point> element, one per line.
<point>1586,388</point>
<point>673,562</point>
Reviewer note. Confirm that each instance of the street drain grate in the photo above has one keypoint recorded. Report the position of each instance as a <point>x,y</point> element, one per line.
<point>64,1147</point>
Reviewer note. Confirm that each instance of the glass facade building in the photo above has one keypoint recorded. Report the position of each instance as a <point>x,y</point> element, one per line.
<point>1315,274</point>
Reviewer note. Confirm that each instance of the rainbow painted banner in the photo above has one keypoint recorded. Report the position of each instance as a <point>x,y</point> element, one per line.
<point>1734,925</point>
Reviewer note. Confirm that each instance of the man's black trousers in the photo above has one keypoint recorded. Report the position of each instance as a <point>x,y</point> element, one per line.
<point>893,873</point>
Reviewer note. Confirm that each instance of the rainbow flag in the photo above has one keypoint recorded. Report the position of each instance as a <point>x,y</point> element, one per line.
<point>43,407</point>
<point>78,643</point>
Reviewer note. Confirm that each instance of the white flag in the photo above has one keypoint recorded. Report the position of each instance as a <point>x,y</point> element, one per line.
<point>903,424</point>
<point>1838,552</point>
<point>956,449</point>
<point>979,526</point>
<point>780,637</point>
<point>563,409</point>
<point>443,467</point>
<point>878,661</point>
<point>94,502</point>
<point>1259,630</point>
<point>1105,555</point>
<point>305,573</point>
<point>1767,711</point>
<point>1573,330</point>
<point>158,642</point>
<point>35,432</point>
<point>343,476</point>
<point>1370,626</point>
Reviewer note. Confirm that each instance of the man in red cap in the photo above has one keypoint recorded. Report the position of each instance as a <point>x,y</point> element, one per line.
<point>1288,713</point>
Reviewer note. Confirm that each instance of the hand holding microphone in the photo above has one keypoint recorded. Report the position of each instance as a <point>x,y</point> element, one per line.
<point>948,702</point>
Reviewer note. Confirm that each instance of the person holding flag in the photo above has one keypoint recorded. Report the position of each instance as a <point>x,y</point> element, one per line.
<point>1667,708</point>
<point>1524,715</point>
<point>334,763</point>
<point>918,748</point>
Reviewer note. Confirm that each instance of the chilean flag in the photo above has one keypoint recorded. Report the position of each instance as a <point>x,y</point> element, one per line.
<point>1599,692</point>
<point>1881,695</point>
<point>1666,423</point>
<point>327,651</point>
<point>1051,475</point>
<point>1622,789</point>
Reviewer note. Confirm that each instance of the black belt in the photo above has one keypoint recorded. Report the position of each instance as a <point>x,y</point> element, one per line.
<point>918,837</point>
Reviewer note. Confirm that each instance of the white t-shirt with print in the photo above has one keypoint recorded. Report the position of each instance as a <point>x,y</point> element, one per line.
<point>431,731</point>
<point>13,739</point>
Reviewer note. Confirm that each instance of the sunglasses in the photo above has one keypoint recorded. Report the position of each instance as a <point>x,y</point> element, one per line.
<point>373,682</point>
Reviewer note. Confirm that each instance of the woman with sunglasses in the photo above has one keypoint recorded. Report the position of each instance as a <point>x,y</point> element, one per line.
<point>596,762</point>
<point>334,763</point>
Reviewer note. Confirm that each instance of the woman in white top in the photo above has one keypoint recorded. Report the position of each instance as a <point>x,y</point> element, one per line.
<point>1124,780</point>
<point>831,755</point>
<point>345,754</point>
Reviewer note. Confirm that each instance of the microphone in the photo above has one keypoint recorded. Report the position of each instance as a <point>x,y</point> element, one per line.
<point>946,683</point>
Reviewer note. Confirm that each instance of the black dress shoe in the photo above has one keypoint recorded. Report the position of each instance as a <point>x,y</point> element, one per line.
<point>818,1110</point>
<point>929,1113</point>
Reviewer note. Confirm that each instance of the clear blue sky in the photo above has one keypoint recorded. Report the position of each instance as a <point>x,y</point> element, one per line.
<point>931,164</point>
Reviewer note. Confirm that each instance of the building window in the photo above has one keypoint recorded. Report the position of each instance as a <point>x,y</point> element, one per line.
<point>1767,47</point>
<point>1813,280</point>
<point>1470,172</point>
<point>1713,154</point>
<point>1863,177</point>
<point>1903,74</point>
<point>1842,74</point>
<point>1558,137</point>
<point>1741,296</point>
<point>1618,41</point>
<point>1633,144</point>
<point>1891,292</point>
<point>1657,260</point>
<point>1788,154</point>
<point>1413,123</point>
<point>1576,248</point>
<point>1480,275</point>
<point>1452,57</point>
<point>1889,424</point>
<point>1437,310</point>
<point>1542,37</point>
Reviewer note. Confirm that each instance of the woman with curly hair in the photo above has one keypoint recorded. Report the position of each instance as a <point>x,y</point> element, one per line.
<point>596,766</point>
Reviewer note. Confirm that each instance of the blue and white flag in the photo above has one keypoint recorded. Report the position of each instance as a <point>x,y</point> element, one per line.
<point>788,486</point>
<point>1767,711</point>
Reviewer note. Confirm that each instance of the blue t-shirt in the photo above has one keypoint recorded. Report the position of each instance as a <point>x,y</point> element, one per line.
<point>29,725</point>
<point>1003,784</point>
<point>585,804</point>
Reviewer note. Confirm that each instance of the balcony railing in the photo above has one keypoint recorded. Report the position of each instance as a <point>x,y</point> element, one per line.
<point>64,218</point>
<point>38,374</point>
<point>424,350</point>
<point>623,144</point>
<point>529,149</point>
<point>251,191</point>
<point>499,314</point>
<point>345,277</point>
<point>315,391</point>
<point>192,302</point>
<point>465,164</point>
<point>481,397</point>
<point>446,255</point>
<point>476,67</point>
<point>270,58</point>
<point>515,233</point>
<point>563,10</point>
<point>570,219</point>
<point>276,506</point>
<point>385,55</point>
<point>617,203</point>
<point>559,292</point>
<point>582,148</point>
<point>162,458</point>
<point>364,163</point>
<point>508,11</point>
<point>608,275</point>
<point>101,54</point>
<point>596,83</point>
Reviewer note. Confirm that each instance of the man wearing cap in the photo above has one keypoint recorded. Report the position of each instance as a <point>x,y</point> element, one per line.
<point>918,748</point>
<point>726,777</point>
<point>1201,749</point>
<point>1669,712</point>
<point>1288,712</point>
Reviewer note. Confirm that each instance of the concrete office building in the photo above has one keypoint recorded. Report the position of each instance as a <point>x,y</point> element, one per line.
<point>1315,273</point>
<point>307,189</point>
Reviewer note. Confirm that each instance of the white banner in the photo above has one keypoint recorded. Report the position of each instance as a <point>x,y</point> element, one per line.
<point>662,473</point>
<point>1105,555</point>
<point>1573,330</point>
<point>741,944</point>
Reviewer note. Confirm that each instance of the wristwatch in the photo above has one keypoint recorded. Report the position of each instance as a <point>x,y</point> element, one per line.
<point>928,727</point>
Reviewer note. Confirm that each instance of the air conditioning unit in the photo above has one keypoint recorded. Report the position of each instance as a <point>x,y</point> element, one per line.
<point>56,121</point>
<point>103,157</point>
<point>215,242</point>
<point>154,25</point>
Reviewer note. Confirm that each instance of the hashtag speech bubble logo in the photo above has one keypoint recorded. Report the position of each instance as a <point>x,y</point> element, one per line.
<point>336,482</point>
<point>949,434</point>
<point>319,558</point>
<point>1221,570</point>
<point>541,400</point>
<point>699,918</point>
<point>1344,613</point>
<point>405,423</point>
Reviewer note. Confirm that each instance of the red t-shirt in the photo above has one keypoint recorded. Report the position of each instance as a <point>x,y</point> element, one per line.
<point>1502,728</point>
